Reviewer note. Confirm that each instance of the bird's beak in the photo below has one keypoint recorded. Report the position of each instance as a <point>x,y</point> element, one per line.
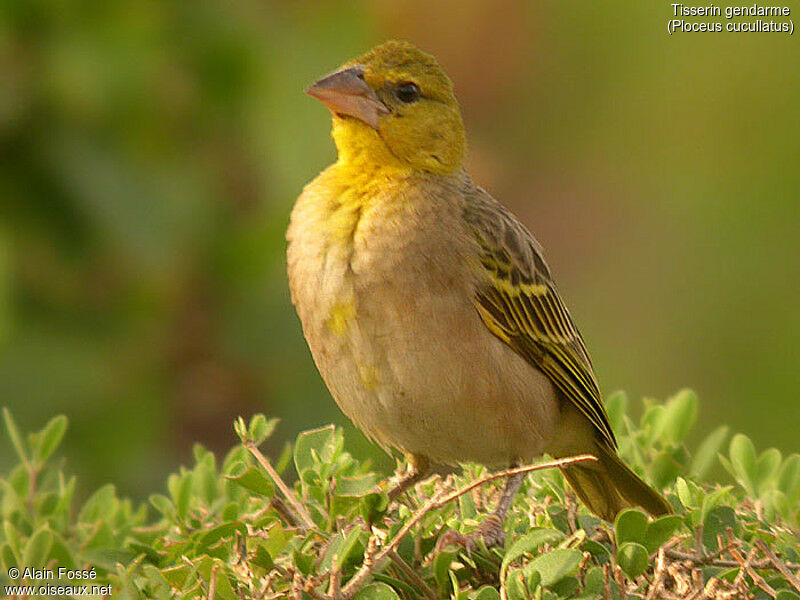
<point>345,92</point>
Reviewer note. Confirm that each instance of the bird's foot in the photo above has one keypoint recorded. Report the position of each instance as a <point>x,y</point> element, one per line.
<point>490,532</point>
<point>403,479</point>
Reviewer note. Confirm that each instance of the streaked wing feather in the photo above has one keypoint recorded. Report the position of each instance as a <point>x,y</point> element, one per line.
<point>519,303</point>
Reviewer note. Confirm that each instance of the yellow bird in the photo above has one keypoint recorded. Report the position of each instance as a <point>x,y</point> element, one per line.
<point>428,307</point>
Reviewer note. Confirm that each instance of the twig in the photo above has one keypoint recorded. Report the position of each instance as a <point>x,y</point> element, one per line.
<point>682,581</point>
<point>561,462</point>
<point>301,511</point>
<point>335,584</point>
<point>697,579</point>
<point>212,584</point>
<point>406,569</point>
<point>572,510</point>
<point>361,576</point>
<point>784,570</point>
<point>620,579</point>
<point>658,576</point>
<point>607,582</point>
<point>297,586</point>
<point>746,565</point>
<point>699,548</point>
<point>717,562</point>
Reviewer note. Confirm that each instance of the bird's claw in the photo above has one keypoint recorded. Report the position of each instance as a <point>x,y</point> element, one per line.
<point>490,531</point>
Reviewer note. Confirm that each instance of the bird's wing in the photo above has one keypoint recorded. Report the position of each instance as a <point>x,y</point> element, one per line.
<point>518,301</point>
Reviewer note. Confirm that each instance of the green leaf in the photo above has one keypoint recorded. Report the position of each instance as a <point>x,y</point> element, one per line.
<point>596,549</point>
<point>14,436</point>
<point>346,548</point>
<point>775,501</point>
<point>441,569</point>
<point>278,540</point>
<point>556,564</point>
<point>786,595</point>
<point>654,422</point>
<point>566,588</point>
<point>487,592</point>
<point>99,505</point>
<point>60,553</point>
<point>594,580</point>
<point>37,549</point>
<point>163,505</point>
<point>180,488</point>
<point>372,507</point>
<point>342,547</point>
<point>358,486</point>
<point>251,478</point>
<point>681,416</point>
<point>515,586</point>
<point>240,428</point>
<point>304,561</point>
<point>712,500</point>
<point>177,575</point>
<point>316,441</point>
<point>13,538</point>
<point>661,530</point>
<point>709,448</point>
<point>403,589</point>
<point>743,461</point>
<point>715,524</point>
<point>49,438</point>
<point>224,590</point>
<point>263,558</point>
<point>260,428</point>
<point>376,591</point>
<point>205,480</point>
<point>456,595</point>
<point>663,469</point>
<point>223,530</point>
<point>8,558</point>
<point>766,469</point>
<point>633,558</point>
<point>687,492</point>
<point>19,483</point>
<point>533,579</point>
<point>630,526</point>
<point>616,408</point>
<point>789,478</point>
<point>530,542</point>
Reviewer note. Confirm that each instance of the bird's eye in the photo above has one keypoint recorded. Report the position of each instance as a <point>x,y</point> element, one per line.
<point>407,92</point>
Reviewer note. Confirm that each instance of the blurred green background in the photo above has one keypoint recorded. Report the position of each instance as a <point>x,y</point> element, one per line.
<point>151,152</point>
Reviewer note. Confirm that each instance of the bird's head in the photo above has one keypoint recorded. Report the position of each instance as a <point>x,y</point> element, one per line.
<point>394,106</point>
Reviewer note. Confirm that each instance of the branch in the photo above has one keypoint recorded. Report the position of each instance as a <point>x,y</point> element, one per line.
<point>561,462</point>
<point>784,570</point>
<point>302,515</point>
<point>747,566</point>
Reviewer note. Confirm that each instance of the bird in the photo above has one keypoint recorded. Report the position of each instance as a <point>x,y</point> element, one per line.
<point>428,307</point>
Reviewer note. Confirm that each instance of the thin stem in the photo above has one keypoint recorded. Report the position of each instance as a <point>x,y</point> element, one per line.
<point>303,516</point>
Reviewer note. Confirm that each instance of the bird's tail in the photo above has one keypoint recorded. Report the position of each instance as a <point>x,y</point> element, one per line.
<point>609,486</point>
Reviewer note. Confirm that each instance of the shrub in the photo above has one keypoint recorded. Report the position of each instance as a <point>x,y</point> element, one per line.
<point>238,530</point>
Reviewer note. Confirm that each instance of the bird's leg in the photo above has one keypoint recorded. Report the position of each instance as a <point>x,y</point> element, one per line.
<point>418,467</point>
<point>491,528</point>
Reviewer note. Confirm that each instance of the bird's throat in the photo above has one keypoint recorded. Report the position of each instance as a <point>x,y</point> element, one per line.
<point>360,147</point>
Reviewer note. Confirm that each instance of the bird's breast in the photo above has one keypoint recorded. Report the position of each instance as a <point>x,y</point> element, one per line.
<point>389,317</point>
